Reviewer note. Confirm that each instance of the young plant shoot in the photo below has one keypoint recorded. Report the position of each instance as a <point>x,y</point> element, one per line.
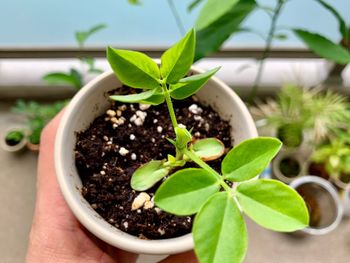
<point>219,230</point>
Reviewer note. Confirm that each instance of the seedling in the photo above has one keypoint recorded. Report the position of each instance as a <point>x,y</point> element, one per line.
<point>14,137</point>
<point>219,230</point>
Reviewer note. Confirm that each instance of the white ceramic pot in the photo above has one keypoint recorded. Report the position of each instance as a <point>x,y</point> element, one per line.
<point>15,148</point>
<point>346,201</point>
<point>92,101</point>
<point>296,155</point>
<point>325,197</point>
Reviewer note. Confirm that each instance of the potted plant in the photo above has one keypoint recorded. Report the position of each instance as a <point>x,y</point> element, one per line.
<point>146,164</point>
<point>288,165</point>
<point>334,159</point>
<point>14,140</point>
<point>323,203</point>
<point>303,115</point>
<point>37,116</point>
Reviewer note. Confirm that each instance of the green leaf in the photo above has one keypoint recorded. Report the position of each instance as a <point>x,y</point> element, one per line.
<point>177,60</point>
<point>219,231</point>
<point>134,2</point>
<point>217,22</point>
<point>133,98</point>
<point>185,191</point>
<point>209,149</point>
<point>82,36</point>
<point>280,36</point>
<point>193,5</point>
<point>183,137</point>
<point>343,29</point>
<point>74,78</point>
<point>147,175</point>
<point>156,99</point>
<point>324,47</point>
<point>249,158</point>
<point>188,86</point>
<point>133,68</point>
<point>273,205</point>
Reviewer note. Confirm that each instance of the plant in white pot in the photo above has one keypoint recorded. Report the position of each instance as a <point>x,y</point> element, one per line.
<point>14,140</point>
<point>181,182</point>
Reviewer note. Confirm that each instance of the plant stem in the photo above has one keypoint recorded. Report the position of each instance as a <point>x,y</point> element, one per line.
<point>266,53</point>
<point>170,105</point>
<point>206,167</point>
<point>176,15</point>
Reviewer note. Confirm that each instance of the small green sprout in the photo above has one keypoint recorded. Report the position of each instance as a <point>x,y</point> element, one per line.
<point>219,230</point>
<point>14,137</point>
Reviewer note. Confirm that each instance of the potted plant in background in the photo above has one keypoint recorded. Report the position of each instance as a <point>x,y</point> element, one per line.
<point>163,148</point>
<point>334,158</point>
<point>323,203</point>
<point>37,116</point>
<point>301,118</point>
<point>14,140</point>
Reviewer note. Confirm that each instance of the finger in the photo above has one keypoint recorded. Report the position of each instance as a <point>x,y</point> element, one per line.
<point>187,257</point>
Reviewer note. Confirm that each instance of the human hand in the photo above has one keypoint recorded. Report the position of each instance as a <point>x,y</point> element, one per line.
<point>56,235</point>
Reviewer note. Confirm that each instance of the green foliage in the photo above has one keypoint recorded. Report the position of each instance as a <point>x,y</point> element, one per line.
<point>298,110</point>
<point>343,29</point>
<point>14,137</point>
<point>219,231</point>
<point>268,203</point>
<point>188,86</point>
<point>186,191</point>
<point>134,69</point>
<point>37,116</point>
<point>324,47</point>
<point>334,155</point>
<point>148,175</point>
<point>72,78</point>
<point>208,149</point>
<point>193,5</point>
<point>216,23</point>
<point>177,60</point>
<point>82,36</point>
<point>134,2</point>
<point>242,163</point>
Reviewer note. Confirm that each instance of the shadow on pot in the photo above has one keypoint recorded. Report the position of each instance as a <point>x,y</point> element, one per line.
<point>323,203</point>
<point>346,201</point>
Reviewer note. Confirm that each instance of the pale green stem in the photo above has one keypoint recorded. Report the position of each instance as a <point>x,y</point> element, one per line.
<point>170,105</point>
<point>267,49</point>
<point>210,170</point>
<point>176,15</point>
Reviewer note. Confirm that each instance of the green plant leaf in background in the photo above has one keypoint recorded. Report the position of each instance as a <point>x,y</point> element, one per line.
<point>133,68</point>
<point>219,231</point>
<point>208,149</point>
<point>147,175</point>
<point>90,62</point>
<point>343,29</point>
<point>134,98</point>
<point>134,2</point>
<point>156,99</point>
<point>185,191</point>
<point>273,205</point>
<point>323,46</point>
<point>249,158</point>
<point>189,86</point>
<point>193,5</point>
<point>82,36</point>
<point>217,22</point>
<point>73,78</point>
<point>177,60</point>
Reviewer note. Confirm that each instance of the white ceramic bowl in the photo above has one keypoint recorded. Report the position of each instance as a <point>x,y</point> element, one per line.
<point>92,101</point>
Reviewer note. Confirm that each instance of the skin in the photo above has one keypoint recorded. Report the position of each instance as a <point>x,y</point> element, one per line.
<point>56,235</point>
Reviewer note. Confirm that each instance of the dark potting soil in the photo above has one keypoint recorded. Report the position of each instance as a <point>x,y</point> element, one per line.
<point>112,148</point>
<point>12,142</point>
<point>318,169</point>
<point>289,167</point>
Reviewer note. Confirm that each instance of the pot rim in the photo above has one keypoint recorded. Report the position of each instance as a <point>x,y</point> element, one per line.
<point>119,238</point>
<point>15,148</point>
<point>334,194</point>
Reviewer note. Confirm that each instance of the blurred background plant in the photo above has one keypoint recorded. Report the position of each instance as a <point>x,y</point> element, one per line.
<point>297,112</point>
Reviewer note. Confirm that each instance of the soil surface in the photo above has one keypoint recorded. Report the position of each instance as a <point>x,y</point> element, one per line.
<point>289,167</point>
<point>122,139</point>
